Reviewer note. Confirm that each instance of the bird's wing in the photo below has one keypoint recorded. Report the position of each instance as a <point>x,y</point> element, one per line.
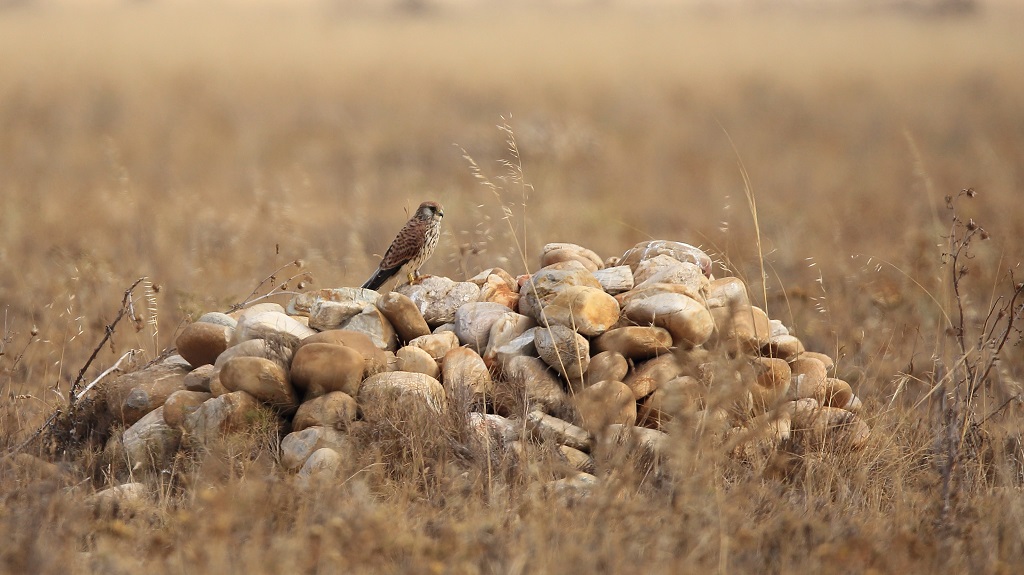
<point>407,245</point>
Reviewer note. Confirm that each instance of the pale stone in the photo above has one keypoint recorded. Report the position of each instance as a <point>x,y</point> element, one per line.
<point>150,443</point>
<point>606,366</point>
<point>564,350</point>
<point>829,424</point>
<point>677,397</point>
<point>270,325</point>
<point>838,393</point>
<point>483,277</point>
<point>403,394</point>
<point>473,322</point>
<point>414,359</point>
<point>577,459</point>
<point>218,318</point>
<point>546,283</point>
<point>261,378</point>
<point>549,428</point>
<point>605,403</point>
<point>276,351</point>
<point>727,293</point>
<point>326,314</point>
<point>301,304</point>
<point>297,446</point>
<point>257,308</point>
<point>465,375</point>
<point>520,346</point>
<point>776,328</point>
<point>808,379</point>
<point>133,395</point>
<point>437,297</point>
<point>488,431</point>
<point>683,252</point>
<point>688,321</point>
<point>335,410</point>
<point>588,310</point>
<point>496,290</point>
<point>437,344</point>
<point>615,280</point>
<point>772,378</point>
<point>528,378</point>
<point>321,466</point>
<point>180,404</point>
<point>199,378</point>
<point>666,269</point>
<point>403,315</point>
<point>320,368</point>
<point>373,323</point>
<point>505,329</point>
<point>649,444</point>
<point>785,347</point>
<point>200,343</point>
<point>561,252</point>
<point>635,342</point>
<point>647,376</point>
<point>743,330</point>
<point>228,413</point>
<point>374,358</point>
<point>830,366</point>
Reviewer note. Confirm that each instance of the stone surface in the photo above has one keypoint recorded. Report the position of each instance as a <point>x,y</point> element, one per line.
<point>321,466</point>
<point>437,297</point>
<point>830,366</point>
<point>437,344</point>
<point>375,359</point>
<point>635,342</point>
<point>577,459</point>
<point>199,378</point>
<point>771,382</point>
<point>521,345</point>
<point>326,314</point>
<point>465,376</point>
<point>276,351</point>
<point>401,394</point>
<point>270,325</point>
<point>564,350</point>
<point>261,378</point>
<point>666,269</point>
<point>588,310</point>
<point>497,290</point>
<point>228,413</point>
<point>335,410</point>
<point>302,303</point>
<point>546,283</point>
<point>403,315</point>
<point>505,329</point>
<point>487,430</point>
<point>784,347</point>
<point>150,443</point>
<point>133,395</point>
<point>473,322</point>
<point>182,403</point>
<point>549,428</point>
<point>374,325</point>
<point>200,343</point>
<point>414,359</point>
<point>727,293</point>
<point>554,253</point>
<point>528,379</point>
<point>606,366</point>
<point>605,403</point>
<point>743,329</point>
<point>615,280</point>
<point>687,320</point>
<point>650,249</point>
<point>218,318</point>
<point>821,425</point>
<point>679,396</point>
<point>297,446</point>
<point>808,379</point>
<point>320,368</point>
<point>647,376</point>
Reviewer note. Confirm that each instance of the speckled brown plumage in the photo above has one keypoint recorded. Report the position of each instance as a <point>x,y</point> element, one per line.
<point>413,245</point>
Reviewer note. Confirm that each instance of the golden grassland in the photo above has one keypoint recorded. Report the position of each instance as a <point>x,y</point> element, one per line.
<point>206,147</point>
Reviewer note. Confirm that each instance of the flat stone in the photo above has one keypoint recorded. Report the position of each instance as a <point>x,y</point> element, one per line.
<point>496,290</point>
<point>666,269</point>
<point>615,280</point>
<point>270,325</point>
<point>465,376</point>
<point>586,309</point>
<point>437,344</point>
<point>727,293</point>
<point>218,318</point>
<point>326,314</point>
<point>554,253</point>
<point>403,395</point>
<point>199,378</point>
<point>302,303</point>
<point>548,428</point>
<point>276,351</point>
<point>687,320</point>
<point>647,376</point>
<point>540,288</point>
<point>505,329</point>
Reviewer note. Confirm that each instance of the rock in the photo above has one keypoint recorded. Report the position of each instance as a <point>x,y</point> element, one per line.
<point>635,342</point>
<point>776,328</point>
<point>650,374</point>
<point>605,403</point>
<point>473,322</point>
<point>588,310</point>
<point>373,323</point>
<point>554,253</point>
<point>261,378</point>
<point>416,360</point>
<point>677,397</point>
<point>830,366</point>
<point>528,378</point>
<point>564,350</point>
<point>321,368</point>
<point>666,269</point>
<point>302,303</point>
<point>199,378</point>
<point>464,375</point>
<point>270,325</point>
<point>483,277</point>
<point>403,315</point>
<point>488,431</point>
<point>615,280</point>
<point>540,288</point>
<point>824,425</point>
<point>520,346</point>
<point>375,359</point>
<point>505,329</point>
<point>298,446</point>
<point>688,321</point>
<point>649,444</point>
<point>229,413</point>
<point>437,344</point>
<point>548,428</point>
<point>276,351</point>
<point>785,347</point>
<point>200,343</point>
<point>728,293</point>
<point>838,393</point>
<point>326,314</point>
<point>771,383</point>
<point>764,432</point>
<point>257,308</point>
<point>150,443</point>
<point>217,388</point>
<point>437,297</point>
<point>577,459</point>
<point>182,403</point>
<point>742,330</point>
<point>573,490</point>
<point>650,249</point>
<point>133,395</point>
<point>321,466</point>
<point>218,318</point>
<point>496,290</point>
<point>808,379</point>
<point>334,410</point>
<point>401,395</point>
<point>108,501</point>
<point>606,366</point>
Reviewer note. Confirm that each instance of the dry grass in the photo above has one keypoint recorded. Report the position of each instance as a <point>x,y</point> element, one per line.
<point>204,148</point>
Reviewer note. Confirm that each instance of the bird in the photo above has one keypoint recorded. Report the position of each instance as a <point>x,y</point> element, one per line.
<point>413,245</point>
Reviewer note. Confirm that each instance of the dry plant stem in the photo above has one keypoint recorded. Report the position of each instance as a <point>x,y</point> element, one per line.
<point>271,279</point>
<point>126,307</point>
<point>128,355</point>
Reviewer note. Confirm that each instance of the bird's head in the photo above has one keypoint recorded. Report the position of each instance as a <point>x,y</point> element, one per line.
<point>430,211</point>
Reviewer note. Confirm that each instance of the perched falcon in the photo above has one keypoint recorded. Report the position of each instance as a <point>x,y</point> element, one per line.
<point>412,246</point>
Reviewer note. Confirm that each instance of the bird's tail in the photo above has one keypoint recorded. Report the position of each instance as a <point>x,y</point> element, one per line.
<point>378,278</point>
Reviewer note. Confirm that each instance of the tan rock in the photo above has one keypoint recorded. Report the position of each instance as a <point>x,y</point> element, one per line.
<point>554,253</point>
<point>200,343</point>
<point>650,249</point>
<point>830,366</point>
<point>771,382</point>
<point>133,395</point>
<point>326,314</point>
<point>275,350</point>
<point>489,431</point>
<point>298,446</point>
<point>605,403</point>
<point>334,410</point>
<point>257,308</point>
<point>528,379</point>
<point>688,321</point>
<point>808,379</point>
<point>374,325</point>
<point>437,297</point>
<point>199,378</point>
<point>677,397</point>
<point>571,491</point>
<point>180,404</point>
<point>826,424</point>
<point>730,293</point>
<point>270,325</point>
<point>666,269</point>
<point>217,388</point>
<point>416,360</point>
<point>401,394</point>
<point>403,315</point>
<point>505,329</point>
<point>521,345</point>
<point>615,280</point>
<point>465,376</point>
<point>302,303</point>
<point>228,413</point>
<point>650,374</point>
<point>785,347</point>
<point>540,288</point>
<point>564,350</point>
<point>375,359</point>
<point>549,428</point>
<point>218,318</point>
<point>437,344</point>
<point>649,444</point>
<point>321,466</point>
<point>577,459</point>
<point>740,330</point>
<point>496,290</point>
<point>588,310</point>
<point>261,378</point>
<point>635,342</point>
<point>320,368</point>
<point>483,277</point>
<point>150,443</point>
<point>838,393</point>
<point>606,366</point>
<point>473,322</point>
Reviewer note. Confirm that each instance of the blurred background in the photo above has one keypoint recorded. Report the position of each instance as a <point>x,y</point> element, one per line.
<point>206,144</point>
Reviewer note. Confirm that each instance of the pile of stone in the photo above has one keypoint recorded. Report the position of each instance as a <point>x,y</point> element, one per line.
<point>583,351</point>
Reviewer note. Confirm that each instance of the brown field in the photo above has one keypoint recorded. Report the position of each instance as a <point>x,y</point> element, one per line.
<point>204,148</point>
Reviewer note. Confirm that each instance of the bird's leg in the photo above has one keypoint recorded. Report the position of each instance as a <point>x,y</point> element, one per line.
<point>413,276</point>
